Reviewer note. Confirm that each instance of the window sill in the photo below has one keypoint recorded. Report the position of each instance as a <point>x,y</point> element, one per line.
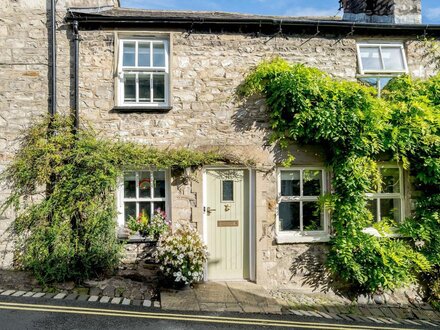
<point>292,238</point>
<point>136,238</point>
<point>159,109</point>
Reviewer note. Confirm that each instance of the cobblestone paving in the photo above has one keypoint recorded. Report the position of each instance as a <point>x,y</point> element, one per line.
<point>113,290</point>
<point>385,310</point>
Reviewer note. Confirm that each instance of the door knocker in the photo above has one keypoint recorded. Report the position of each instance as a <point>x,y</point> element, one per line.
<point>227,207</point>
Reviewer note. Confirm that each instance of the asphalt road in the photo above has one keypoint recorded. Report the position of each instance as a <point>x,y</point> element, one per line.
<point>39,313</point>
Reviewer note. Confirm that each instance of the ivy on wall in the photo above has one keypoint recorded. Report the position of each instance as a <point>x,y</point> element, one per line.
<point>355,128</point>
<point>63,192</point>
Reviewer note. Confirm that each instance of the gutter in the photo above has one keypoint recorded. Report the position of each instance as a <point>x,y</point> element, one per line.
<point>75,29</point>
<point>91,20</point>
<point>53,66</point>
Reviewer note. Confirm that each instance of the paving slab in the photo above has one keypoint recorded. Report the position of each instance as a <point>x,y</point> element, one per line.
<point>50,295</point>
<point>7,292</point>
<point>335,316</point>
<point>213,292</point>
<point>18,293</point>
<point>60,296</point>
<point>29,294</point>
<point>126,301</point>
<point>183,300</point>
<point>71,296</point>
<point>116,300</point>
<point>38,295</point>
<point>104,299</point>
<point>156,304</point>
<point>146,303</point>
<point>374,319</point>
<point>413,322</point>
<point>93,298</point>
<point>83,297</point>
<point>325,315</point>
<point>429,323</point>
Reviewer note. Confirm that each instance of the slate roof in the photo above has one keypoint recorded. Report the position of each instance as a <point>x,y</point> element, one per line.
<point>214,21</point>
<point>193,15</point>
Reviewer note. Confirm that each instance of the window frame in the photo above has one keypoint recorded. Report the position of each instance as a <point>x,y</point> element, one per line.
<point>121,200</point>
<point>383,72</point>
<point>136,70</point>
<point>301,236</point>
<point>401,195</point>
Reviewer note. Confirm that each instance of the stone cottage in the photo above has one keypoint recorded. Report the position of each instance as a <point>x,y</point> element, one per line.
<point>169,78</point>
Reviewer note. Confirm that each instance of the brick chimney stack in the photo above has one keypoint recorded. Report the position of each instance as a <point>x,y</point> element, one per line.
<point>383,11</point>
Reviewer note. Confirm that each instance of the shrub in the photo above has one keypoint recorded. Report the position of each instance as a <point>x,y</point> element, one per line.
<point>63,186</point>
<point>356,129</point>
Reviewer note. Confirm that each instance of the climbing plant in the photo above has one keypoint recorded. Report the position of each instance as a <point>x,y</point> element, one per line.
<point>63,192</point>
<point>356,128</point>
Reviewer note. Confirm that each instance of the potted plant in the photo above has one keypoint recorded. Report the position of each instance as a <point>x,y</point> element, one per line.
<point>139,224</point>
<point>151,228</point>
<point>158,225</point>
<point>182,256</point>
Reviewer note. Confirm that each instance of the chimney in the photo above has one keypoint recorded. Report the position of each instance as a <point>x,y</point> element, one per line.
<point>382,11</point>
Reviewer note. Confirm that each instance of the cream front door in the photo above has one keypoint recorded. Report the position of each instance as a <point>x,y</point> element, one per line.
<point>227,214</point>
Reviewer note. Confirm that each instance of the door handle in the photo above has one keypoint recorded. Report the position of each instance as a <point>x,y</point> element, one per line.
<point>209,210</point>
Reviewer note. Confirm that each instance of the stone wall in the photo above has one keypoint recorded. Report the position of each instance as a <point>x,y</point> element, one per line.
<point>24,78</point>
<point>206,70</point>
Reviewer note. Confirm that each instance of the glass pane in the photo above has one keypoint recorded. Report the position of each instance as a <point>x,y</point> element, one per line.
<point>159,184</point>
<point>390,180</point>
<point>313,219</point>
<point>144,88</point>
<point>370,58</point>
<point>158,55</point>
<point>129,211</point>
<point>159,205</point>
<point>312,182</point>
<point>146,208</point>
<point>144,185</point>
<point>372,207</point>
<point>383,82</point>
<point>390,209</point>
<point>370,81</point>
<point>290,183</point>
<point>392,59</point>
<point>158,88</point>
<point>128,55</point>
<point>130,185</point>
<point>130,88</point>
<point>289,216</point>
<point>228,190</point>
<point>144,54</point>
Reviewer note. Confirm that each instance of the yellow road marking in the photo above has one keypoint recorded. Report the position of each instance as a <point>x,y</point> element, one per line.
<point>179,317</point>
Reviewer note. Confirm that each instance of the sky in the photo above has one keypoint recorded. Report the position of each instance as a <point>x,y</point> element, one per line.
<point>430,8</point>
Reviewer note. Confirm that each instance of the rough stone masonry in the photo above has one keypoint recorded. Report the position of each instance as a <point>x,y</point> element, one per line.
<point>206,69</point>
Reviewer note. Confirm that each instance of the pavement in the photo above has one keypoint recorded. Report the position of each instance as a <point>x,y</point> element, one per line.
<point>44,313</point>
<point>247,297</point>
<point>240,296</point>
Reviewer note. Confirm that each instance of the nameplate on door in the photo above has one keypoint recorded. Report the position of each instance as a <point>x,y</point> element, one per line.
<point>227,223</point>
